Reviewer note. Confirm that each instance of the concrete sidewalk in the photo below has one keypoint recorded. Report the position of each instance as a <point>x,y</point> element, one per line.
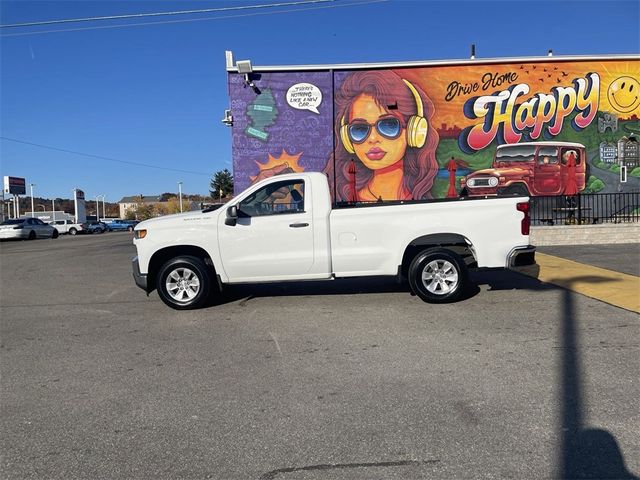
<point>623,258</point>
<point>609,273</point>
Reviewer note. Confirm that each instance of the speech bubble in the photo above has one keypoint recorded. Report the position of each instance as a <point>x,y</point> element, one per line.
<point>304,96</point>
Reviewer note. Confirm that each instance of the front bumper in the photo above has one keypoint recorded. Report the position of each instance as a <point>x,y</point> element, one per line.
<point>140,279</point>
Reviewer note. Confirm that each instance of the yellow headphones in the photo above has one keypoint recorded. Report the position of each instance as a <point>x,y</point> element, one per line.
<point>417,126</point>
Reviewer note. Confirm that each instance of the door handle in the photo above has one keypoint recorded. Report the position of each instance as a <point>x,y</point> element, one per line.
<point>298,225</point>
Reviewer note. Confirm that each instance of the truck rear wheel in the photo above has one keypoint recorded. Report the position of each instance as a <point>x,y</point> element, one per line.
<point>72,231</point>
<point>438,275</point>
<point>184,283</point>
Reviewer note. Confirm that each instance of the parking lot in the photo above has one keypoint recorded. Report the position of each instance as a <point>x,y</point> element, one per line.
<point>350,379</point>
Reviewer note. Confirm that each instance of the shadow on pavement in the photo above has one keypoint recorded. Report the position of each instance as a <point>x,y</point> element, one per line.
<point>495,279</point>
<point>586,453</point>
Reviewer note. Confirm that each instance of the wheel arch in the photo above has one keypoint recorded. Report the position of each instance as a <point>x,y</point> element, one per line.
<point>160,257</point>
<point>455,242</point>
<point>511,187</point>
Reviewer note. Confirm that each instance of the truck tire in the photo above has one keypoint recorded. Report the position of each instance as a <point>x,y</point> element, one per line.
<point>438,275</point>
<point>72,231</point>
<point>184,283</point>
<point>517,189</point>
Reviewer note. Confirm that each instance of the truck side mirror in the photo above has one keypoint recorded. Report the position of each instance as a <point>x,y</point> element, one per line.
<point>232,216</point>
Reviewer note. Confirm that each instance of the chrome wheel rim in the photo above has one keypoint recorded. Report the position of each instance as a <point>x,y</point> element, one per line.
<point>182,285</point>
<point>440,277</point>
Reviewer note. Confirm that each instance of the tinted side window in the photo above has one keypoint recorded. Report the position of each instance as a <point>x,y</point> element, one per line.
<point>516,153</point>
<point>276,198</point>
<point>547,155</point>
<point>566,152</point>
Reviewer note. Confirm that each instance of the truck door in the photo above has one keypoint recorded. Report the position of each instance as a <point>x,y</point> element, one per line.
<point>546,178</point>
<point>273,236</point>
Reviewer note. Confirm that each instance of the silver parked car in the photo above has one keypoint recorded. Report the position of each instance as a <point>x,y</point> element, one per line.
<point>26,229</point>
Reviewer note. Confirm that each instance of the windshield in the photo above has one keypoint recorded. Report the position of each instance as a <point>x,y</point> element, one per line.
<point>15,221</point>
<point>516,153</point>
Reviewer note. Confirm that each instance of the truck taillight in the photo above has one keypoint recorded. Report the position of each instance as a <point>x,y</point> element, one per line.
<point>526,221</point>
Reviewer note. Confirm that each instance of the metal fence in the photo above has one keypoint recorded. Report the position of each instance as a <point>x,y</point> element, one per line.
<point>584,209</point>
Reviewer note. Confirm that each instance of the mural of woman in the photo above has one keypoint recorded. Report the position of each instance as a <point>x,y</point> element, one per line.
<point>382,127</point>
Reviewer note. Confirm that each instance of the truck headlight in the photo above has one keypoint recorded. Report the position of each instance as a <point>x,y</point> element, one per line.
<point>471,182</point>
<point>139,233</point>
<point>493,182</point>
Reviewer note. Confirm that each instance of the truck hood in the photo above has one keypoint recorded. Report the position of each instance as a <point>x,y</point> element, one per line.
<point>174,220</point>
<point>498,172</point>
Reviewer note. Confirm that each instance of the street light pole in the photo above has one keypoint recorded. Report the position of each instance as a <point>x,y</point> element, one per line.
<point>97,209</point>
<point>104,214</point>
<point>31,185</point>
<point>180,193</point>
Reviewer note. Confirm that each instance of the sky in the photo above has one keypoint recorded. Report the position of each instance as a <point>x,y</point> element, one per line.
<point>154,94</point>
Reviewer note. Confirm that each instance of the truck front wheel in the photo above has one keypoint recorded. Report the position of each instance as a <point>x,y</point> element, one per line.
<point>184,283</point>
<point>438,275</point>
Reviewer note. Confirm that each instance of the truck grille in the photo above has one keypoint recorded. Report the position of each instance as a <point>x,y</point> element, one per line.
<point>480,182</point>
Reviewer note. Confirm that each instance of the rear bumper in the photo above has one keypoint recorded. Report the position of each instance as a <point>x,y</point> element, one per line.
<point>523,260</point>
<point>140,279</point>
<point>521,257</point>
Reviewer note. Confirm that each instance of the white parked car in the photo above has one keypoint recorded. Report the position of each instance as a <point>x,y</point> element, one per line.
<point>67,226</point>
<point>26,229</point>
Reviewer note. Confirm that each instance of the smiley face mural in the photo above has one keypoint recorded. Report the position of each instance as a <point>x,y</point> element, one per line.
<point>624,94</point>
<point>418,131</point>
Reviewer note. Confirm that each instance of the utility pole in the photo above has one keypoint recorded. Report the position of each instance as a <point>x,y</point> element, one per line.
<point>31,185</point>
<point>180,193</point>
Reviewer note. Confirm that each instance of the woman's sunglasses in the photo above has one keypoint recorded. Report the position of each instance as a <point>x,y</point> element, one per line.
<point>389,127</point>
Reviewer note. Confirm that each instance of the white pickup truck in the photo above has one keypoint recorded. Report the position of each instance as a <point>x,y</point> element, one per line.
<point>285,228</point>
<point>67,226</point>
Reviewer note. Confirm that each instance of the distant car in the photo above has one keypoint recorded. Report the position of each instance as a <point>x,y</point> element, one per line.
<point>67,226</point>
<point>94,227</point>
<point>122,225</point>
<point>26,229</point>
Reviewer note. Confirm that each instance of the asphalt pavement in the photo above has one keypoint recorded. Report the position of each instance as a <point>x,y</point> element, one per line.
<point>350,379</point>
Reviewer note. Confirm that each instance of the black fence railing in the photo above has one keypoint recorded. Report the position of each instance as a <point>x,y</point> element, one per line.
<point>584,209</point>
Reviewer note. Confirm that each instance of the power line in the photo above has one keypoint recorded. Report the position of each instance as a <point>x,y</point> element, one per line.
<point>366,2</point>
<point>100,157</point>
<point>159,14</point>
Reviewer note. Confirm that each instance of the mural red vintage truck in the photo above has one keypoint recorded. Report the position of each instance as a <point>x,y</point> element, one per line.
<point>421,130</point>
<point>540,168</point>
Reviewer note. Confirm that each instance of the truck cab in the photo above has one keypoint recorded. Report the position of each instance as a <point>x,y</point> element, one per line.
<point>532,169</point>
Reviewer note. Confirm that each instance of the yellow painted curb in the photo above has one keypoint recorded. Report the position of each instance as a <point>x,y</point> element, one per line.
<point>616,288</point>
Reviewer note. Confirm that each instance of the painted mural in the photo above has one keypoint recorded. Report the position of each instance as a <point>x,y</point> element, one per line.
<point>539,128</point>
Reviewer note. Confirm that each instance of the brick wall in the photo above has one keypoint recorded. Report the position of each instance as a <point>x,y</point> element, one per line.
<point>586,234</point>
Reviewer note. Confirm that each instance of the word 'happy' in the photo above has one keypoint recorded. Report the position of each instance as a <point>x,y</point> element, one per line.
<point>544,113</point>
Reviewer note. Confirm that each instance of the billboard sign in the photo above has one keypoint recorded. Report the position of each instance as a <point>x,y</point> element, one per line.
<point>414,132</point>
<point>15,185</point>
<point>81,212</point>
